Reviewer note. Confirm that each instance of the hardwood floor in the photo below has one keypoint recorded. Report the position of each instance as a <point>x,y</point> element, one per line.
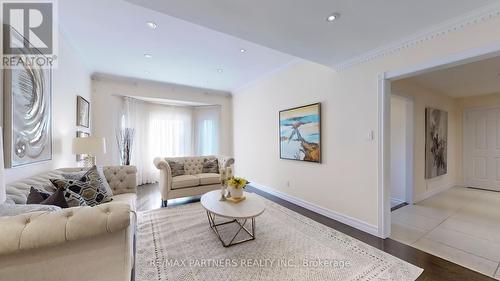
<point>434,267</point>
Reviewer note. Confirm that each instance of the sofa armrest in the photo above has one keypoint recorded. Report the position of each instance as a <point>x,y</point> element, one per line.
<point>44,229</point>
<point>165,180</point>
<point>161,164</point>
<point>225,161</point>
<point>121,179</point>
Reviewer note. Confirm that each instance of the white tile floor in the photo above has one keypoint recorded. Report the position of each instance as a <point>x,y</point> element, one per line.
<point>461,225</point>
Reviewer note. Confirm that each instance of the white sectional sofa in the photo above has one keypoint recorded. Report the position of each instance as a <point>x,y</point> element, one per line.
<point>194,182</point>
<point>80,243</point>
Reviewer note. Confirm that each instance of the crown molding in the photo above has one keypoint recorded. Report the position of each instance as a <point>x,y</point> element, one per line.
<point>475,17</point>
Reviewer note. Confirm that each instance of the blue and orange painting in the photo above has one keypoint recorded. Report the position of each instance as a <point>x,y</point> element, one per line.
<point>300,130</point>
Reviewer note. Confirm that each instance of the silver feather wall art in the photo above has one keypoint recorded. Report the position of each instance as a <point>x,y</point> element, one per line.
<point>28,115</point>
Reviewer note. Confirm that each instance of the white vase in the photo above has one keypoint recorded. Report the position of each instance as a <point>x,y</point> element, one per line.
<point>236,192</point>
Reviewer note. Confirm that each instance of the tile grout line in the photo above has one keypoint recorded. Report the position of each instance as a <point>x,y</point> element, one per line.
<point>462,250</point>
<point>451,214</point>
<point>496,270</point>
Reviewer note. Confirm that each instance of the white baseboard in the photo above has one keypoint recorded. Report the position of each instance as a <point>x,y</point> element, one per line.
<point>361,225</point>
<point>432,192</point>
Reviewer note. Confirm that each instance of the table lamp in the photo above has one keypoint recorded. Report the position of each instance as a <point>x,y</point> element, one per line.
<point>90,146</point>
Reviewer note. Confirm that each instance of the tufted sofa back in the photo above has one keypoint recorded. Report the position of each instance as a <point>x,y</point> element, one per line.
<point>192,165</point>
<point>121,179</point>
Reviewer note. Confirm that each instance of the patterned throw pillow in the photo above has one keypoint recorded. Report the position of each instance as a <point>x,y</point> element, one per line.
<point>176,168</point>
<point>96,177</point>
<point>73,176</point>
<point>74,199</point>
<point>91,194</point>
<point>210,166</point>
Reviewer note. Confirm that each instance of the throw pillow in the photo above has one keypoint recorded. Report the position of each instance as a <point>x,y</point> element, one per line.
<point>210,166</point>
<point>36,196</point>
<point>95,176</point>
<point>90,193</point>
<point>74,199</point>
<point>56,199</point>
<point>73,176</point>
<point>176,168</point>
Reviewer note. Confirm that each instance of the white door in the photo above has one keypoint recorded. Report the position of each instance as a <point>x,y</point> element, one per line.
<point>482,148</point>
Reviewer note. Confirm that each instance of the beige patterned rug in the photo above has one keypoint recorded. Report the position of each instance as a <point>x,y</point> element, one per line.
<point>177,244</point>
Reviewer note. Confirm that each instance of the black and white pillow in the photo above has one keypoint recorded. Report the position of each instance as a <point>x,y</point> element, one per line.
<point>74,176</point>
<point>96,177</point>
<point>91,194</point>
<point>210,166</point>
<point>176,168</point>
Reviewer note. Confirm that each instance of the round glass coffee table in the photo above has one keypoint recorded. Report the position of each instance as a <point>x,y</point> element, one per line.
<point>238,213</point>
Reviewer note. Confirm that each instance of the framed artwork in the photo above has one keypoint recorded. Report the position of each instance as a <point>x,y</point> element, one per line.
<point>28,115</point>
<point>82,112</point>
<point>81,134</point>
<point>436,143</point>
<point>300,133</point>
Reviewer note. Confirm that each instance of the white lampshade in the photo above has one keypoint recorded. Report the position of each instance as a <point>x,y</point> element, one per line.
<point>89,145</point>
<point>3,194</point>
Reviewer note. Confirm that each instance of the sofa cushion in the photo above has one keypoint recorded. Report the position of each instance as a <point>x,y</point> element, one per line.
<point>185,181</point>
<point>208,178</point>
<point>176,168</point>
<point>128,198</point>
<point>210,166</point>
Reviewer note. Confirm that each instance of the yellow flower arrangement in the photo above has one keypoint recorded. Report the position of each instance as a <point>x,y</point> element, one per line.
<point>237,183</point>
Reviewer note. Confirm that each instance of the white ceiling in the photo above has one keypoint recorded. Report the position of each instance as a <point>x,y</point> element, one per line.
<point>112,37</point>
<point>477,78</point>
<point>195,38</point>
<point>298,27</point>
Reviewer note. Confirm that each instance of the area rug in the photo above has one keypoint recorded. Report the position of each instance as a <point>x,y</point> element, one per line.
<point>178,244</point>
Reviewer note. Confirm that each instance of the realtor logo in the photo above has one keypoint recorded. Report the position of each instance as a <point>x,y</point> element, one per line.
<point>29,34</point>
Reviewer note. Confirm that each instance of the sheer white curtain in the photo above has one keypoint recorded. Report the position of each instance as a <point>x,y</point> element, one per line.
<point>206,125</point>
<point>136,116</point>
<point>160,130</point>
<point>170,131</point>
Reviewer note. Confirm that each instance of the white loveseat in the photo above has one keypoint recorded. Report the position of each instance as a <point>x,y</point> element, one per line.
<point>194,182</point>
<point>80,243</point>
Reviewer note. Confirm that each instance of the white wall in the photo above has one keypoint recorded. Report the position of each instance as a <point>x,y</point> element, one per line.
<point>346,183</point>
<point>108,90</point>
<point>398,149</point>
<point>70,79</point>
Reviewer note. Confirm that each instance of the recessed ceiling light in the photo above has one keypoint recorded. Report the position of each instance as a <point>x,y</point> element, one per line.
<point>148,56</point>
<point>333,17</point>
<point>243,51</point>
<point>152,24</point>
<point>220,70</point>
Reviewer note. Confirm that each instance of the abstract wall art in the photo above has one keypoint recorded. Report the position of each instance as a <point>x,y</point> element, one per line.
<point>28,116</point>
<point>300,133</point>
<point>436,143</point>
